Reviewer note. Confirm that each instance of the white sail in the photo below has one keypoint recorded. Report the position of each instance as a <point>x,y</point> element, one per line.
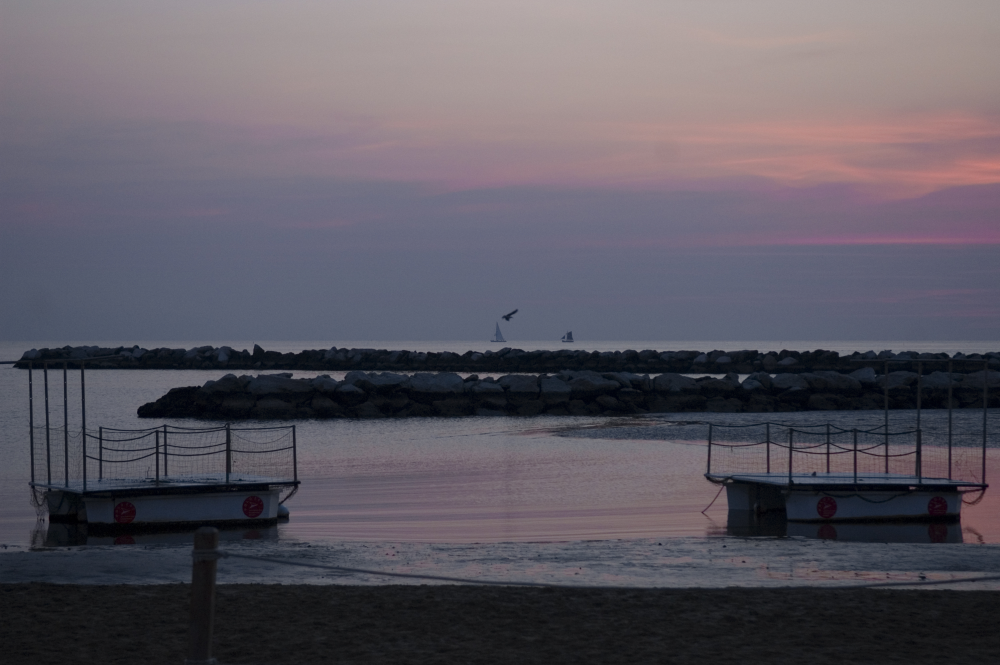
<point>568,337</point>
<point>498,337</point>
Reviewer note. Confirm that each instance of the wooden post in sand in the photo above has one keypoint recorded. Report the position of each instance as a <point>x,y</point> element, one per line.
<point>205,555</point>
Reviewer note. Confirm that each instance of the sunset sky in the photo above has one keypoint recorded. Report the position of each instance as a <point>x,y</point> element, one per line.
<point>412,170</point>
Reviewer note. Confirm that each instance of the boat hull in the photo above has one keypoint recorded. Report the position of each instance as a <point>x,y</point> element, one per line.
<point>159,509</point>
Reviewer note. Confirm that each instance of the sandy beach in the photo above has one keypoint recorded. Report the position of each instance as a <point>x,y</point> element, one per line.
<point>44,623</point>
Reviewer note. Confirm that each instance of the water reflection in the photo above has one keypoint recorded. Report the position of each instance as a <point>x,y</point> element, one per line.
<point>57,534</point>
<point>743,523</point>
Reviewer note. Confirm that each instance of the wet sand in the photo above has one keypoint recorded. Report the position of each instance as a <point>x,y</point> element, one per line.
<point>44,623</point>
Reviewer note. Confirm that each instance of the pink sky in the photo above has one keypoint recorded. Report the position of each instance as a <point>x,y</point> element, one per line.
<point>577,126</point>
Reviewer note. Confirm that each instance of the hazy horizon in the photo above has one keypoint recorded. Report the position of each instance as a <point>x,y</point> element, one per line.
<point>642,170</point>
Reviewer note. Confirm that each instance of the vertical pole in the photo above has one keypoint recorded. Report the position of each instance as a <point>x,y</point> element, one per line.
<point>100,453</point>
<point>768,437</point>
<point>156,453</point>
<point>31,420</point>
<point>887,416</point>
<point>83,423</point>
<point>790,448</point>
<point>855,433</point>
<point>295,457</point>
<point>709,471</point>
<point>229,453</point>
<point>205,555</point>
<point>65,427</point>
<point>165,473</point>
<point>920,374</point>
<point>986,371</point>
<point>920,465</point>
<point>950,381</point>
<point>48,440</point>
<point>828,447</point>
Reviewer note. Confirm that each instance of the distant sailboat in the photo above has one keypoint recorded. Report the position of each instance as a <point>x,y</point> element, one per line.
<point>498,337</point>
<point>568,337</point>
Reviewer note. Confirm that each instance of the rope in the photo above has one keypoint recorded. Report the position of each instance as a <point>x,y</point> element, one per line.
<point>721,487</point>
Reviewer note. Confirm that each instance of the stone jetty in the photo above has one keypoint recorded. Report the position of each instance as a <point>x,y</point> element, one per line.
<point>444,394</point>
<point>502,361</point>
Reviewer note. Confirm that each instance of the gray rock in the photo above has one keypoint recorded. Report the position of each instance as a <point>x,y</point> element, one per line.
<point>937,381</point>
<point>33,354</point>
<point>270,384</point>
<point>592,384</point>
<point>703,358</point>
<point>865,375</point>
<point>272,407</point>
<point>898,379</point>
<point>325,384</point>
<point>787,362</point>
<point>834,382</point>
<point>674,383</point>
<point>975,380</point>
<point>519,384</point>
<point>789,381</point>
<point>723,360</point>
<point>555,391</point>
<point>752,384</point>
<point>227,384</point>
<point>445,382</point>
<point>350,394</point>
<point>487,387</point>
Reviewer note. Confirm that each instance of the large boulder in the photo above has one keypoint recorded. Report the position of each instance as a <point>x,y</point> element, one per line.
<point>276,384</point>
<point>674,383</point>
<point>789,382</point>
<point>554,390</point>
<point>230,383</point>
<point>437,384</point>
<point>866,375</point>
<point>519,384</point>
<point>898,380</point>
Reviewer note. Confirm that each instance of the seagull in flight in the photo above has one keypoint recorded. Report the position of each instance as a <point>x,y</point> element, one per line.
<point>506,317</point>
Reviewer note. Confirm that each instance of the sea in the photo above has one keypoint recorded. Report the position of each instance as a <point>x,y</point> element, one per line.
<point>476,481</point>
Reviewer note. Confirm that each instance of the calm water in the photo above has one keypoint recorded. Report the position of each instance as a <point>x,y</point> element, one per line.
<point>458,480</point>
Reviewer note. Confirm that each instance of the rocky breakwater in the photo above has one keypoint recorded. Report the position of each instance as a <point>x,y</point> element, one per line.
<point>386,394</point>
<point>506,360</point>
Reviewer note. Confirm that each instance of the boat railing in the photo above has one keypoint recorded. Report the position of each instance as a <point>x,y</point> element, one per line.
<point>91,459</point>
<point>797,450</point>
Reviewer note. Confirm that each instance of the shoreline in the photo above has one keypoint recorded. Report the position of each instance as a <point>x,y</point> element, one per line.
<point>472,624</point>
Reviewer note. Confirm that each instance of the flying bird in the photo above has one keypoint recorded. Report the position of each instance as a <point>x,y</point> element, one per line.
<point>506,317</point>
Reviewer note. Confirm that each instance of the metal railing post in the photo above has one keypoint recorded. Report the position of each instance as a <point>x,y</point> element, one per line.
<point>203,569</point>
<point>855,432</point>
<point>156,453</point>
<point>887,416</point>
<point>65,427</point>
<point>920,374</point>
<point>767,437</point>
<point>828,447</point>
<point>790,449</point>
<point>48,438</point>
<point>920,463</point>
<point>83,423</point>
<point>165,473</point>
<point>709,470</point>
<point>229,453</point>
<point>100,453</point>
<point>295,457</point>
<point>950,381</point>
<point>31,420</point>
<point>986,371</point>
